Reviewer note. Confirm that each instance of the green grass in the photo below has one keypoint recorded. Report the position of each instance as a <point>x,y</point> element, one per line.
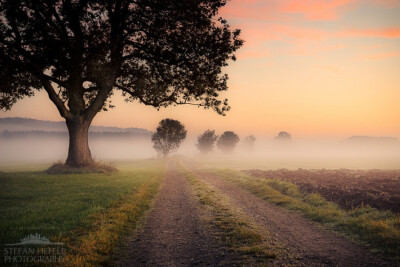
<point>78,209</point>
<point>379,230</point>
<point>247,240</point>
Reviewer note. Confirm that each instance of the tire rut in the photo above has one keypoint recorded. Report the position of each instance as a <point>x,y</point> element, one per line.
<point>303,239</point>
<point>174,233</point>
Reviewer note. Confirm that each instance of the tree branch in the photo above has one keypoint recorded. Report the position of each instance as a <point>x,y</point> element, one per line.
<point>158,103</point>
<point>62,109</point>
<point>55,80</point>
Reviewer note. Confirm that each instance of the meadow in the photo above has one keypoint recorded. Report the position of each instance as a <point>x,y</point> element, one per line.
<point>95,214</point>
<point>77,209</point>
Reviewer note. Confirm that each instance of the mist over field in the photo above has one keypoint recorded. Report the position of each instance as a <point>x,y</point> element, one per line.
<point>266,154</point>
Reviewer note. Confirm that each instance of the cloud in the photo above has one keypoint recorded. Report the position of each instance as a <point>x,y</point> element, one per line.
<point>382,33</point>
<point>314,9</point>
<point>295,23</point>
<point>283,10</point>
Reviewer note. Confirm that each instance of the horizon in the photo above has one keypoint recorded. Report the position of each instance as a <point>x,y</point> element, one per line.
<point>194,135</point>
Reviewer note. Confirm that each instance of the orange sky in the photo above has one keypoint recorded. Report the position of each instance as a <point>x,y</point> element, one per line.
<point>314,68</point>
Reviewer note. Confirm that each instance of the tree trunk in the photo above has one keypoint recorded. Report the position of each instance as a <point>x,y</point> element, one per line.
<point>79,153</point>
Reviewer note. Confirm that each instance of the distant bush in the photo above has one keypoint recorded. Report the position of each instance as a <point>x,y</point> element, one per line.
<point>284,136</point>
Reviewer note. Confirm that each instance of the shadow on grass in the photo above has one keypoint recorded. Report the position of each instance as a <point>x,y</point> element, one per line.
<point>97,167</point>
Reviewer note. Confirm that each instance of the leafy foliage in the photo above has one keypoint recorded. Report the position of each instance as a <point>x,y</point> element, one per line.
<point>157,52</point>
<point>227,141</point>
<point>168,136</point>
<point>206,141</point>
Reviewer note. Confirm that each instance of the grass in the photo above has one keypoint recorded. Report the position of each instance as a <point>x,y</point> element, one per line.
<point>96,167</point>
<point>88,212</point>
<point>248,241</point>
<point>379,230</point>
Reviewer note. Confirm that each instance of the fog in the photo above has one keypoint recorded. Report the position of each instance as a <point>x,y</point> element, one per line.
<point>266,153</point>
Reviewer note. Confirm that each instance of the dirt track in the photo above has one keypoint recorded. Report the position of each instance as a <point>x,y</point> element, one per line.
<point>303,239</point>
<point>174,234</point>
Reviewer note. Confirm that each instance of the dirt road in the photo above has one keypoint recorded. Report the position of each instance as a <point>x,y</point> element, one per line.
<point>309,244</point>
<point>174,234</point>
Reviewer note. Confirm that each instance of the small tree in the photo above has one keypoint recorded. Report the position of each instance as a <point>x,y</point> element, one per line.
<point>205,141</point>
<point>283,136</point>
<point>168,136</point>
<point>249,142</point>
<point>227,141</point>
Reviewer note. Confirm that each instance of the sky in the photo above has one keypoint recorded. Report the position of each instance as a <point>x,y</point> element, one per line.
<point>314,68</point>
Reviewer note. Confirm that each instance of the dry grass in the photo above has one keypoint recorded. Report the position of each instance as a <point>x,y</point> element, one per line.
<point>246,239</point>
<point>378,230</point>
<point>93,246</point>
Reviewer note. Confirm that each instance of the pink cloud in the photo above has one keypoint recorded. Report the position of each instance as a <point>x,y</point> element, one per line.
<point>315,9</point>
<point>287,21</point>
<point>382,33</point>
<point>268,10</point>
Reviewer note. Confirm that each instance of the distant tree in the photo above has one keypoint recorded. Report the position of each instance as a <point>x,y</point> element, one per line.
<point>249,142</point>
<point>168,136</point>
<point>284,136</point>
<point>81,52</point>
<point>227,141</point>
<point>206,141</point>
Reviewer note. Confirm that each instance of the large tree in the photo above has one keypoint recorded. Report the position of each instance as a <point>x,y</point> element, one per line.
<point>168,136</point>
<point>157,52</point>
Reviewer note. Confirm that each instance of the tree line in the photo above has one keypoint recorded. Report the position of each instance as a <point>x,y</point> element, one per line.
<point>171,133</point>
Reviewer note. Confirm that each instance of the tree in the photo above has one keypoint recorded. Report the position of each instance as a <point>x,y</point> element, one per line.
<point>81,52</point>
<point>283,136</point>
<point>227,141</point>
<point>249,142</point>
<point>205,141</point>
<point>168,136</point>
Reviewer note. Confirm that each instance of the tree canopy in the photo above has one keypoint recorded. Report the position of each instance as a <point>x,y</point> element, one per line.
<point>168,136</point>
<point>227,141</point>
<point>157,52</point>
<point>206,141</point>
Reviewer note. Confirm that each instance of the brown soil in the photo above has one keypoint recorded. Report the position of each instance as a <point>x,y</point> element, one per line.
<point>304,240</point>
<point>174,233</point>
<point>348,188</point>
